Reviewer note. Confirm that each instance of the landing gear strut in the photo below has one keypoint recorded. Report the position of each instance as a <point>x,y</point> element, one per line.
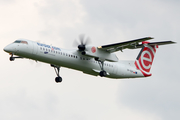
<point>103,73</point>
<point>57,69</point>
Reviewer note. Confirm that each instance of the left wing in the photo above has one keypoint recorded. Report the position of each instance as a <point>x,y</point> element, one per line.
<point>123,45</point>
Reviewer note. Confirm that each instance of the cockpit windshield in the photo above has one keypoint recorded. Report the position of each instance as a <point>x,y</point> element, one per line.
<point>21,41</point>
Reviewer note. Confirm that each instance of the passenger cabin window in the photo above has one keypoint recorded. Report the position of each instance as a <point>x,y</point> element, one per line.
<point>21,41</point>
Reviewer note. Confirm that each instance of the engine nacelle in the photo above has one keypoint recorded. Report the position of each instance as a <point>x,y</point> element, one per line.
<point>93,51</point>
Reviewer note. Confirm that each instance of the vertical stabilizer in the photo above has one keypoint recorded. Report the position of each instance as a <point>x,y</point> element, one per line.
<point>145,58</point>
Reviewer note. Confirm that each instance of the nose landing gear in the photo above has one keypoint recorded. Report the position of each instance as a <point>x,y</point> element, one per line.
<point>13,58</point>
<point>57,70</point>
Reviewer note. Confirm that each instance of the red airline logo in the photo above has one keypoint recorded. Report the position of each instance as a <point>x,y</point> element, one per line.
<point>145,60</point>
<point>93,49</point>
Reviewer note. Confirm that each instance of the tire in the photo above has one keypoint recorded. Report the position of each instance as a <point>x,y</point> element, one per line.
<point>103,73</point>
<point>58,79</point>
<point>11,58</point>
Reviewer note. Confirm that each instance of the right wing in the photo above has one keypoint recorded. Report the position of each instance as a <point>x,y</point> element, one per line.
<point>123,45</point>
<point>132,44</point>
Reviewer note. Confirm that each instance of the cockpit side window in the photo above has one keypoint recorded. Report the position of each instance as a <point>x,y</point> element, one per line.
<point>21,41</point>
<point>24,42</point>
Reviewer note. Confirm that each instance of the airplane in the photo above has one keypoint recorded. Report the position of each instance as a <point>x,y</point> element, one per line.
<point>92,60</point>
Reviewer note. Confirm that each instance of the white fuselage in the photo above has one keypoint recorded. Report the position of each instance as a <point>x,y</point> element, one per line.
<point>72,59</point>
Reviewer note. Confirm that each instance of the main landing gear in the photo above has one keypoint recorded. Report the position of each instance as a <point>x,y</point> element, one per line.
<point>103,73</point>
<point>57,69</point>
<point>13,58</point>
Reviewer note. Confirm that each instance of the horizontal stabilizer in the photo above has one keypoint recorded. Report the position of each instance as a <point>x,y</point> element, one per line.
<point>156,43</point>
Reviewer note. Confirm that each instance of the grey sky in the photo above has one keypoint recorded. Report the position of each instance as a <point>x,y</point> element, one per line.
<point>28,90</point>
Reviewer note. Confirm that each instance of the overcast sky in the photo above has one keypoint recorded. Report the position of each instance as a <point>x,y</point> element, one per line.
<point>28,90</point>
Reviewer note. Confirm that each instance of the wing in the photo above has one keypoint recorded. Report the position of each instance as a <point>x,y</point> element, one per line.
<point>123,45</point>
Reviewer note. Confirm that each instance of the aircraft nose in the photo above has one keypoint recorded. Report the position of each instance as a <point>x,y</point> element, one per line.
<point>8,48</point>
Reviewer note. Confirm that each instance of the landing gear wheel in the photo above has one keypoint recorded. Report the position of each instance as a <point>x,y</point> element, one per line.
<point>103,73</point>
<point>11,58</point>
<point>58,79</point>
<point>57,70</point>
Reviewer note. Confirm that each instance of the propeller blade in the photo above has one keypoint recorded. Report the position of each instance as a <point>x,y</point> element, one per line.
<point>81,38</point>
<point>75,43</point>
<point>88,40</point>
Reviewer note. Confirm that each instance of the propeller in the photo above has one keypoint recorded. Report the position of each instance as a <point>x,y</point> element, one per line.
<point>83,42</point>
